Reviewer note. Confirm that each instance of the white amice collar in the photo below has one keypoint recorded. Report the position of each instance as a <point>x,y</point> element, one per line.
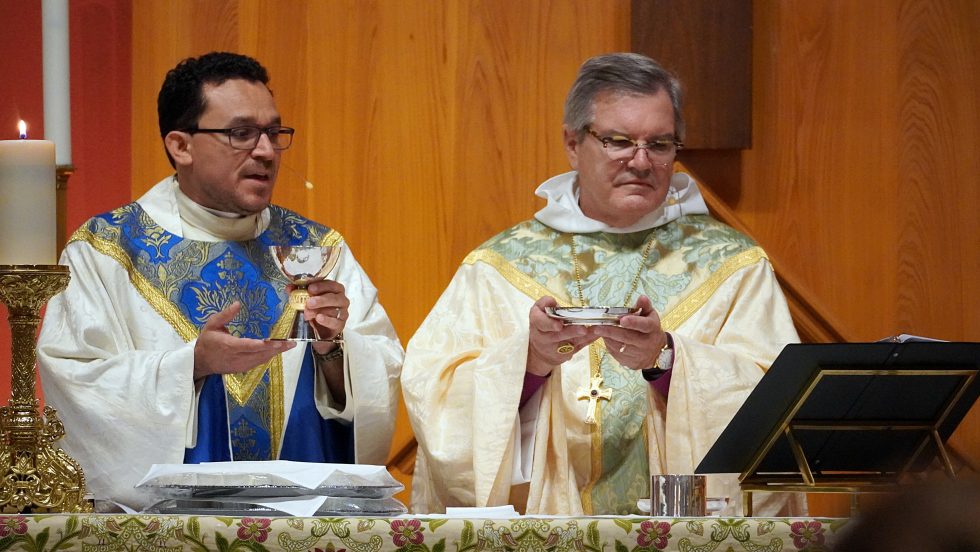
<point>178,214</point>
<point>204,224</point>
<point>564,214</point>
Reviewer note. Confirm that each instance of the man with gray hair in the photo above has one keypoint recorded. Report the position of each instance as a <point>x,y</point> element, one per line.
<point>521,393</point>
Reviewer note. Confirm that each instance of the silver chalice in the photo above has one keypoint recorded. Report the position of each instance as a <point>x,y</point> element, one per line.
<point>302,265</point>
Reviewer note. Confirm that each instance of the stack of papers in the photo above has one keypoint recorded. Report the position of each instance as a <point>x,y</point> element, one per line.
<point>273,488</point>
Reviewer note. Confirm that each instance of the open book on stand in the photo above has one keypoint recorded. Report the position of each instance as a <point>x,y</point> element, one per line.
<point>850,417</point>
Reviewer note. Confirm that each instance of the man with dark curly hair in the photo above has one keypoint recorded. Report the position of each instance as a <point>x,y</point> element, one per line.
<point>156,351</point>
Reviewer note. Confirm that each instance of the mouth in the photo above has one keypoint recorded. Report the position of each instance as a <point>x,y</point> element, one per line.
<point>259,176</point>
<point>634,183</point>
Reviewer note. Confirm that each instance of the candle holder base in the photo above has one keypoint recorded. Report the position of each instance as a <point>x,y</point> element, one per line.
<point>35,475</point>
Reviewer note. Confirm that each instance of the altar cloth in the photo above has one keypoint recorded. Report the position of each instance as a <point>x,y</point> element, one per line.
<point>416,532</point>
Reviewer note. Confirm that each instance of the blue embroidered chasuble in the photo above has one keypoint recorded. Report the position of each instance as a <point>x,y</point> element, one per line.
<point>240,416</point>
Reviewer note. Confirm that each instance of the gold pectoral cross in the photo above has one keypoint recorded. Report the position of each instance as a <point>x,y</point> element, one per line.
<point>594,393</point>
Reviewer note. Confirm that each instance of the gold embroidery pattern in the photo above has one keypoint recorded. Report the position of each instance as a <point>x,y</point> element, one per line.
<point>163,306</point>
<point>515,277</point>
<point>239,386</point>
<point>686,308</point>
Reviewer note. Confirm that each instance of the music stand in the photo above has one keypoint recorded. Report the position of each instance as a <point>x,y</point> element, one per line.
<point>848,417</point>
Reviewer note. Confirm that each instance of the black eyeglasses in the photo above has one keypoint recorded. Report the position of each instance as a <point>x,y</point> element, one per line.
<point>247,137</point>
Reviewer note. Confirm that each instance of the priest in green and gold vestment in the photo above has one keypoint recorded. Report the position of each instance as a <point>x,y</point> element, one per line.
<point>512,406</point>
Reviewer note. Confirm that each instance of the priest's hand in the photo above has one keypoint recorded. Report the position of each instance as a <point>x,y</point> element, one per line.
<point>550,341</point>
<point>327,310</point>
<point>637,341</point>
<point>219,352</point>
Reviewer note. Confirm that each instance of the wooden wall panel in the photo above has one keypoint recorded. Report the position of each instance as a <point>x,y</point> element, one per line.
<point>423,127</point>
<point>824,152</point>
<point>937,149</point>
<point>708,45</point>
<point>862,180</point>
<point>938,237</point>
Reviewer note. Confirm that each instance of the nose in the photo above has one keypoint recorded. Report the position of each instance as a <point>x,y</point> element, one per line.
<point>263,149</point>
<point>640,160</point>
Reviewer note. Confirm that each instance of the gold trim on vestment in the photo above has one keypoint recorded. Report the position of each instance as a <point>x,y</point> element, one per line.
<point>669,321</point>
<point>241,386</point>
<point>515,277</point>
<point>597,350</point>
<point>686,308</point>
<point>163,306</point>
<point>277,415</point>
<point>332,237</point>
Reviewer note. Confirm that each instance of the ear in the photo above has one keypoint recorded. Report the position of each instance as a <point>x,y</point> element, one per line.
<point>178,145</point>
<point>570,138</point>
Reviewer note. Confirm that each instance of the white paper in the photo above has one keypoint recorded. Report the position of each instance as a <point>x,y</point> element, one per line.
<point>489,512</point>
<point>308,475</point>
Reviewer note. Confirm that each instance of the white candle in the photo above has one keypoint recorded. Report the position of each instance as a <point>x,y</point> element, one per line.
<point>27,201</point>
<point>57,106</point>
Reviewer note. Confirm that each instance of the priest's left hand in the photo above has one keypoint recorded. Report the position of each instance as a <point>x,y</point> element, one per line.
<point>327,310</point>
<point>637,341</point>
<point>216,351</point>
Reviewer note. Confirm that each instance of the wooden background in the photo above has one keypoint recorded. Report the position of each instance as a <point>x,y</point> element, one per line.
<point>424,127</point>
<point>862,182</point>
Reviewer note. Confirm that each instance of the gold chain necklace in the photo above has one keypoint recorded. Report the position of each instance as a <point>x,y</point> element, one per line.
<point>595,391</point>
<point>629,295</point>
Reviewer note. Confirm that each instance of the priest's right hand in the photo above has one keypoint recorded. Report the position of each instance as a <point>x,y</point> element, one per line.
<point>551,342</point>
<point>219,352</point>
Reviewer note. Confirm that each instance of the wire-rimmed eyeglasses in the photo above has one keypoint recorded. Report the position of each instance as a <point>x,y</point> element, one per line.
<point>621,148</point>
<point>247,137</point>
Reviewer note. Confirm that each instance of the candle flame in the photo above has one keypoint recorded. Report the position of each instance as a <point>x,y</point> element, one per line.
<point>22,127</point>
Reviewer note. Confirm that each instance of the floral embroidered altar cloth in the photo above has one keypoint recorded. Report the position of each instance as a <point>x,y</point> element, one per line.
<point>109,532</point>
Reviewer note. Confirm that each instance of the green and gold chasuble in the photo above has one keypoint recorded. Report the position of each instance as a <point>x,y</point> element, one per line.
<point>687,261</point>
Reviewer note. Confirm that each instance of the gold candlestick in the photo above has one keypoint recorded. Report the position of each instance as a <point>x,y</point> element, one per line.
<point>35,476</point>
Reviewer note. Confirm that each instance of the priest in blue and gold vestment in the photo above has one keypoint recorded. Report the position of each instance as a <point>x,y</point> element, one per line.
<point>155,352</point>
<point>511,405</point>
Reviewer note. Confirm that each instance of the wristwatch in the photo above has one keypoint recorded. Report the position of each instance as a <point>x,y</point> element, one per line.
<point>664,361</point>
<point>337,352</point>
